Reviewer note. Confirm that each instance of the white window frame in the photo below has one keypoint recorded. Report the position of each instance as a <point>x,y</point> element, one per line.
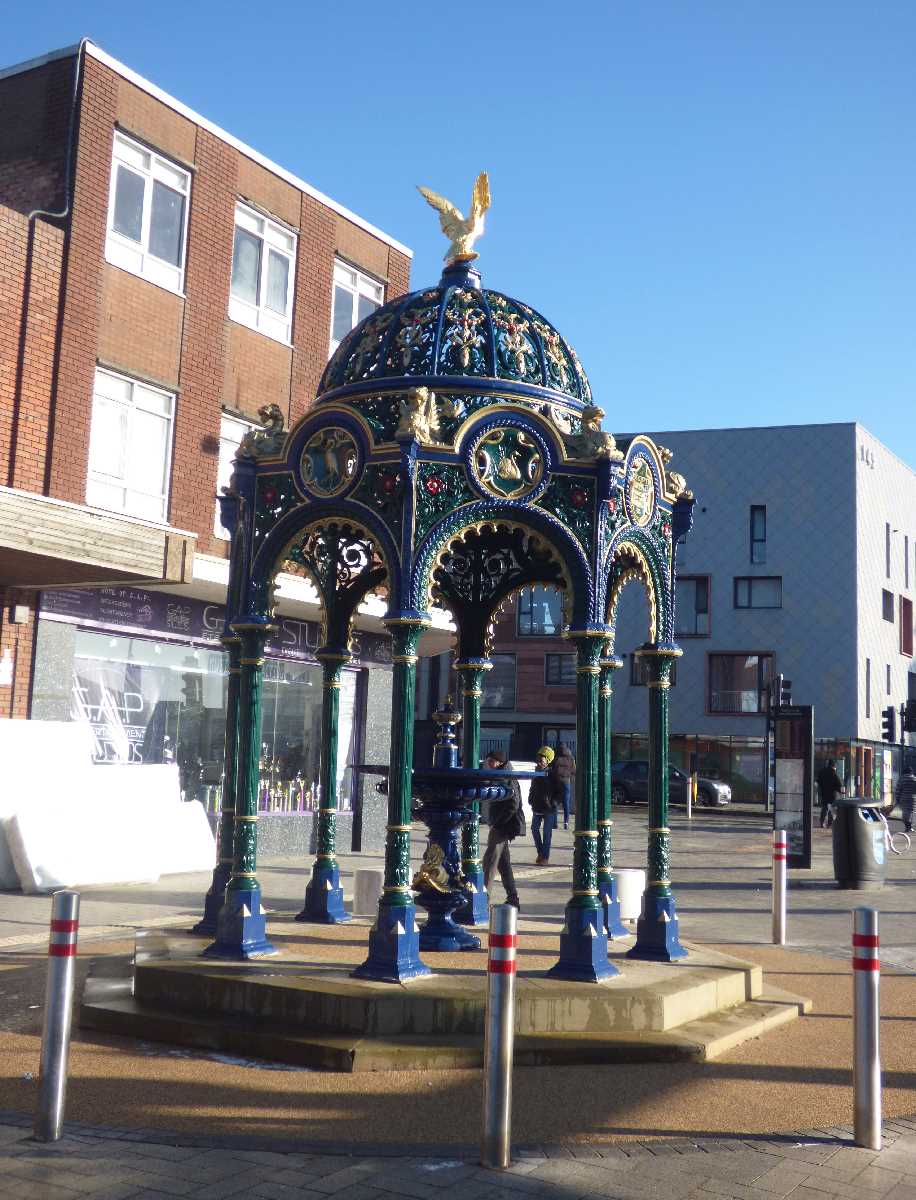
<point>94,475</point>
<point>124,252</point>
<point>223,475</point>
<point>357,283</point>
<point>282,241</point>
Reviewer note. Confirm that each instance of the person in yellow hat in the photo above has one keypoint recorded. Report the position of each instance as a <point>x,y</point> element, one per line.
<point>543,801</point>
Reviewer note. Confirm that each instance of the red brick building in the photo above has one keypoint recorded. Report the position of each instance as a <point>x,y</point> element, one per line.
<point>159,283</point>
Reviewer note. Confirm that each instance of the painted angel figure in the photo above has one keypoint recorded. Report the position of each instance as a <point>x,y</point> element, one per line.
<point>462,231</point>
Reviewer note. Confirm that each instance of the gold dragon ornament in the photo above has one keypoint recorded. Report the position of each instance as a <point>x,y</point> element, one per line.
<point>462,231</point>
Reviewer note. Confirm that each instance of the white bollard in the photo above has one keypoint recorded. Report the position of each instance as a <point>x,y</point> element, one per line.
<point>779,887</point>
<point>631,883</point>
<point>499,1032</point>
<point>866,1073</point>
<point>367,887</point>
<point>55,1041</point>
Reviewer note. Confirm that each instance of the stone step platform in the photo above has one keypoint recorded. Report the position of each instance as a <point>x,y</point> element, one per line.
<point>302,1007</point>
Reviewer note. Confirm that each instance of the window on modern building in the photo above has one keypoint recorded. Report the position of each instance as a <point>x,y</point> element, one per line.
<point>355,296</point>
<point>130,447</point>
<point>263,274</point>
<point>887,549</point>
<point>231,432</point>
<point>499,682</point>
<point>559,668</point>
<point>758,533</point>
<point>691,606</point>
<point>887,605</point>
<point>906,561</point>
<point>540,612</point>
<point>639,671</point>
<point>868,687</point>
<point>906,626</point>
<point>147,214</point>
<point>738,683</point>
<point>758,591</point>
<point>888,679</point>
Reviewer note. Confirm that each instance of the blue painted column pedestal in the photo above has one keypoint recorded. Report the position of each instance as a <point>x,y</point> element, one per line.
<point>241,927</point>
<point>583,942</point>
<point>222,872</point>
<point>477,909</point>
<point>657,927</point>
<point>394,941</point>
<point>324,901</point>
<point>607,881</point>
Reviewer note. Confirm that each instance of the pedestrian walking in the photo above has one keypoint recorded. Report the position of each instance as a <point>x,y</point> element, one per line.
<point>830,786</point>
<point>905,795</point>
<point>562,770</point>
<point>543,801</point>
<point>507,821</point>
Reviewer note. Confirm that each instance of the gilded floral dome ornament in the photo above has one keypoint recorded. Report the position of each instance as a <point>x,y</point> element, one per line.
<point>462,231</point>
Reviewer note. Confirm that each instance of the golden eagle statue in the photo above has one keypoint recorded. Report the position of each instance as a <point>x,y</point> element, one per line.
<point>462,231</point>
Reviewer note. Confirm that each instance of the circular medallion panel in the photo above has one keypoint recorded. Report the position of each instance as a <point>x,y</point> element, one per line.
<point>641,492</point>
<point>329,462</point>
<point>508,463</point>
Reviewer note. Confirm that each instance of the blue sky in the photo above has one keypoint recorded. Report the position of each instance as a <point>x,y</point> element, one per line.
<point>715,202</point>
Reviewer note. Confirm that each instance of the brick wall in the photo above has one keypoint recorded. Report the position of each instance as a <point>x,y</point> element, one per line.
<point>16,653</point>
<point>312,320</point>
<point>140,327</point>
<point>33,136</point>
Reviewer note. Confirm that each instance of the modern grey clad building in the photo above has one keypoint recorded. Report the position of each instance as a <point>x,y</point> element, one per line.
<point>802,560</point>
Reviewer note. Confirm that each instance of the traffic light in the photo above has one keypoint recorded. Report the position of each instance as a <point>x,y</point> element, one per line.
<point>889,724</point>
<point>909,716</point>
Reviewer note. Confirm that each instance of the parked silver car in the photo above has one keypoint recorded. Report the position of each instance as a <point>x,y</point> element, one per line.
<point>630,784</point>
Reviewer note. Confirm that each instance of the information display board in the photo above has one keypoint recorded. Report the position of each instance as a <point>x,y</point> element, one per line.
<point>793,796</point>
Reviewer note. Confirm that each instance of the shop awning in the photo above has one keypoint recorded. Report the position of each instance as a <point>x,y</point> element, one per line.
<point>47,543</point>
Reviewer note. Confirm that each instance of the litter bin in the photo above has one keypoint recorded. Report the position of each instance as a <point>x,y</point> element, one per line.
<point>858,844</point>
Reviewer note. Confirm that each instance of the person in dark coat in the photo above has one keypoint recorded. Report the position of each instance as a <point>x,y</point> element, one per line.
<point>543,801</point>
<point>507,821</point>
<point>830,786</point>
<point>906,794</point>
<point>562,770</point>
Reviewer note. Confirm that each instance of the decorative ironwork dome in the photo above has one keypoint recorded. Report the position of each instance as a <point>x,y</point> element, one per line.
<point>458,335</point>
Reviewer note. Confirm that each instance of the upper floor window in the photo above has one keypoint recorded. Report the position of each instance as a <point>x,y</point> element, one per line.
<point>906,561</point>
<point>758,591</point>
<point>559,668</point>
<point>906,626</point>
<point>738,683</point>
<point>499,682</point>
<point>887,605</point>
<point>758,533</point>
<point>147,214</point>
<point>231,432</point>
<point>691,606</point>
<point>887,549</point>
<point>130,447</point>
<point>355,296</point>
<point>540,612</point>
<point>263,273</point>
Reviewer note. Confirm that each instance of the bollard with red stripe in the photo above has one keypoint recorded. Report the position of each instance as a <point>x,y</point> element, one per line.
<point>499,1034</point>
<point>55,1042</point>
<point>866,1073</point>
<point>780,859</point>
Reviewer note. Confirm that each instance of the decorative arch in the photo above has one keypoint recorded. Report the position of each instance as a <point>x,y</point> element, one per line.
<point>628,562</point>
<point>531,521</point>
<point>343,549</point>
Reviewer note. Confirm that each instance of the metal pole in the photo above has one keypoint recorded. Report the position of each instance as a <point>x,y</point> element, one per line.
<point>500,1038</point>
<point>55,1042</point>
<point>691,794</point>
<point>779,887</point>
<point>866,1074</point>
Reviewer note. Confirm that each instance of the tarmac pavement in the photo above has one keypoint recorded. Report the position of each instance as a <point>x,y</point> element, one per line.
<point>145,1121</point>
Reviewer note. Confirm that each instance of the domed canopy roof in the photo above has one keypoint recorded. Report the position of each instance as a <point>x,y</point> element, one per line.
<point>457,336</point>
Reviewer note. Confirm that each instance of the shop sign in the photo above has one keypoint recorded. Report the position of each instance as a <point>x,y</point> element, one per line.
<point>178,618</point>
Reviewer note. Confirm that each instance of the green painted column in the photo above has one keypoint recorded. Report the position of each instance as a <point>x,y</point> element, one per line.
<point>607,884</point>
<point>394,942</point>
<point>476,910</point>
<point>241,926</point>
<point>583,943</point>
<point>324,902</point>
<point>657,928</point>
<point>226,827</point>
